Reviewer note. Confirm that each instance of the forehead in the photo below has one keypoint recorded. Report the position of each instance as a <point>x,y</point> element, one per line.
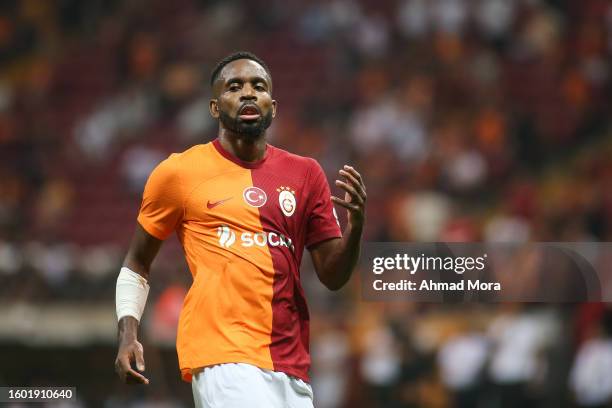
<point>243,69</point>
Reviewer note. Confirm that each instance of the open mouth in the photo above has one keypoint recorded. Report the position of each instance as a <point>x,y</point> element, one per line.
<point>249,112</point>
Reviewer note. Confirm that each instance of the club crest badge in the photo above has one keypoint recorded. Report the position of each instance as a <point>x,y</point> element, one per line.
<point>286,200</point>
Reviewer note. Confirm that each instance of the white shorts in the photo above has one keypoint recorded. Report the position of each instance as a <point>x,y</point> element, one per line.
<point>239,385</point>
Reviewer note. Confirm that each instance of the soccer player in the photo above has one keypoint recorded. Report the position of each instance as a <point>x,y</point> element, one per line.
<point>243,211</point>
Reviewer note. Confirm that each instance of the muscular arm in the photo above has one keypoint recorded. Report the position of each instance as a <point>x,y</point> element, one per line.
<point>142,251</point>
<point>335,259</point>
<point>140,255</point>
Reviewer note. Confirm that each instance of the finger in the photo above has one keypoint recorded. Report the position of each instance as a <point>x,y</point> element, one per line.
<point>122,364</point>
<point>349,189</point>
<point>119,370</point>
<point>360,189</point>
<point>133,376</point>
<point>127,374</point>
<point>347,205</point>
<point>355,173</point>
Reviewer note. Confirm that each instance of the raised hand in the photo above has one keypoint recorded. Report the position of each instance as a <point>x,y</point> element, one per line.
<point>354,197</point>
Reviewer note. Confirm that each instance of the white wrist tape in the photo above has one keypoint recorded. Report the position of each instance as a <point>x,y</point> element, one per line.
<point>131,294</point>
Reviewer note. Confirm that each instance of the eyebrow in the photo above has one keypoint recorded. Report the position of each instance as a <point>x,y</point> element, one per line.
<point>254,79</point>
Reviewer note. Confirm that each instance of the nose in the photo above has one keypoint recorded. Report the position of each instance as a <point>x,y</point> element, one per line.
<point>248,93</point>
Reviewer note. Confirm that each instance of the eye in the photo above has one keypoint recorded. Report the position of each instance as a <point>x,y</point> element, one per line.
<point>234,87</point>
<point>260,87</point>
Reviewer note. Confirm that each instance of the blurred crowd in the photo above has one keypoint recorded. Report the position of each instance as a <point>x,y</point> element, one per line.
<point>470,120</point>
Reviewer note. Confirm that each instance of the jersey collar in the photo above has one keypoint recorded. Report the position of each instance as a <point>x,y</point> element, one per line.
<point>241,163</point>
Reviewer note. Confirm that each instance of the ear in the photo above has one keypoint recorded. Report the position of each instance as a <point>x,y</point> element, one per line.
<point>274,104</point>
<point>213,107</point>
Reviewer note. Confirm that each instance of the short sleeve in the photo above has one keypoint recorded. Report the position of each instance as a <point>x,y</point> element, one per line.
<point>161,210</point>
<point>322,221</point>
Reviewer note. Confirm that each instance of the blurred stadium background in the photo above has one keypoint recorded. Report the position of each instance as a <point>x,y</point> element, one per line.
<point>471,120</point>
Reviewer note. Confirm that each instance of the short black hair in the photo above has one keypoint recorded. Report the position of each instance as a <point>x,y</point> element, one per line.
<point>236,56</point>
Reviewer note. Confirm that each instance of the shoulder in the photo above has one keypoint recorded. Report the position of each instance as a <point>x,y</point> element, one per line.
<point>301,163</point>
<point>194,153</point>
<point>177,163</point>
<point>173,169</point>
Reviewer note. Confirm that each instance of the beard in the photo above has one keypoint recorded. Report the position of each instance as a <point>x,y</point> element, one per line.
<point>252,129</point>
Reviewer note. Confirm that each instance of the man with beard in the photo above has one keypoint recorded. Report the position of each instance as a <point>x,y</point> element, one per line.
<point>244,211</point>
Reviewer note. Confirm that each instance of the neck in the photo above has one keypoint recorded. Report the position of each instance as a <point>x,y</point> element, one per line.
<point>246,148</point>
